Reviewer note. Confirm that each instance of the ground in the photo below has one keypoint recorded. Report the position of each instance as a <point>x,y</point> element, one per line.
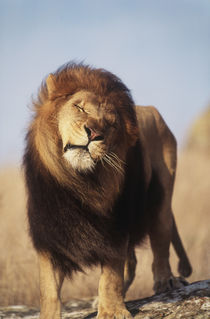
<point>192,301</point>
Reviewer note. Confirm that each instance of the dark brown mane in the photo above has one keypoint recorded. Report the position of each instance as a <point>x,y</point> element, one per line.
<point>81,219</point>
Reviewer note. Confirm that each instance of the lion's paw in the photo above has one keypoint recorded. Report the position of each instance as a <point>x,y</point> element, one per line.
<point>169,284</point>
<point>118,314</point>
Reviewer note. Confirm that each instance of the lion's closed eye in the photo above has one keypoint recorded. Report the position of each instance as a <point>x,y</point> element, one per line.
<point>80,108</point>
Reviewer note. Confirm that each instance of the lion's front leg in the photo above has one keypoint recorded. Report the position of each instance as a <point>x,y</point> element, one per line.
<point>111,304</point>
<point>50,285</point>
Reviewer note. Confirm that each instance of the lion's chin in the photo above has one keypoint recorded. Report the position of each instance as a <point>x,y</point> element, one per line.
<point>80,160</point>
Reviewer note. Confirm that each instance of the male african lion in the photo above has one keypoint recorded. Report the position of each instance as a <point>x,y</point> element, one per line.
<point>100,175</point>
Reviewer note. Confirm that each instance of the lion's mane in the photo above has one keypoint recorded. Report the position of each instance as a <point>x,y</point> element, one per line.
<point>69,213</point>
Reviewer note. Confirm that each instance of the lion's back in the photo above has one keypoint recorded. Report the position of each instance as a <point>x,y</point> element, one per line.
<point>158,140</point>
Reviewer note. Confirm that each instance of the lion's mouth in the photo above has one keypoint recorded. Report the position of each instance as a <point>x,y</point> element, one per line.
<point>79,147</point>
<point>72,146</point>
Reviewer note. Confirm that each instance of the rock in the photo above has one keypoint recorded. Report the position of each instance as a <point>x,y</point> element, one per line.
<point>192,301</point>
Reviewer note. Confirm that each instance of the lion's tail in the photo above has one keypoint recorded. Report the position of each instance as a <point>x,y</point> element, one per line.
<point>184,266</point>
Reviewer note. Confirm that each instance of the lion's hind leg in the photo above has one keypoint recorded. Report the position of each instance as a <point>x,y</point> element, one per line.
<point>160,238</point>
<point>163,228</point>
<point>161,235</point>
<point>164,279</point>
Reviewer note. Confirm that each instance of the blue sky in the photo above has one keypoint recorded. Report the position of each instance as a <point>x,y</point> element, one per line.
<point>159,48</point>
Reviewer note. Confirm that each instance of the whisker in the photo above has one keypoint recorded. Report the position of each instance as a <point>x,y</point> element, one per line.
<point>117,158</point>
<point>110,162</point>
<point>113,163</point>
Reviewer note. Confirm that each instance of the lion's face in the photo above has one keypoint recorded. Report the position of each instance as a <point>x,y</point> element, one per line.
<point>91,131</point>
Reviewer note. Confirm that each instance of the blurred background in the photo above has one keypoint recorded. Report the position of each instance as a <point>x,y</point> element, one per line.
<point>160,49</point>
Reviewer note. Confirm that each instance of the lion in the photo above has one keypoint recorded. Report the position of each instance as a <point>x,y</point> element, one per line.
<point>100,174</point>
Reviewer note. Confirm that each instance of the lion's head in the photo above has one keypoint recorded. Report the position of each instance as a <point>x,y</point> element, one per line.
<point>91,132</point>
<point>84,118</point>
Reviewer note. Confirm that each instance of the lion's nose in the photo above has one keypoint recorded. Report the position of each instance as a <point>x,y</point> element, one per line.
<point>93,135</point>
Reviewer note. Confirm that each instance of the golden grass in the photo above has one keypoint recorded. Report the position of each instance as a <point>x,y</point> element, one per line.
<point>18,263</point>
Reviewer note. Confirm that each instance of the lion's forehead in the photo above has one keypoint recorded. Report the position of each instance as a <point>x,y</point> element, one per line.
<point>89,105</point>
<point>86,97</point>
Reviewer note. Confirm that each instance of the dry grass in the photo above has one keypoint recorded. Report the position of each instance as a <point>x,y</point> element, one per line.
<point>18,264</point>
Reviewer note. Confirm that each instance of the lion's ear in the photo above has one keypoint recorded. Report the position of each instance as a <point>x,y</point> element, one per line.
<point>51,88</point>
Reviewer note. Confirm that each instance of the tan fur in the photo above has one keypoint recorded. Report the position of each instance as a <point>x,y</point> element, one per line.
<point>111,304</point>
<point>50,286</point>
<point>111,287</point>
